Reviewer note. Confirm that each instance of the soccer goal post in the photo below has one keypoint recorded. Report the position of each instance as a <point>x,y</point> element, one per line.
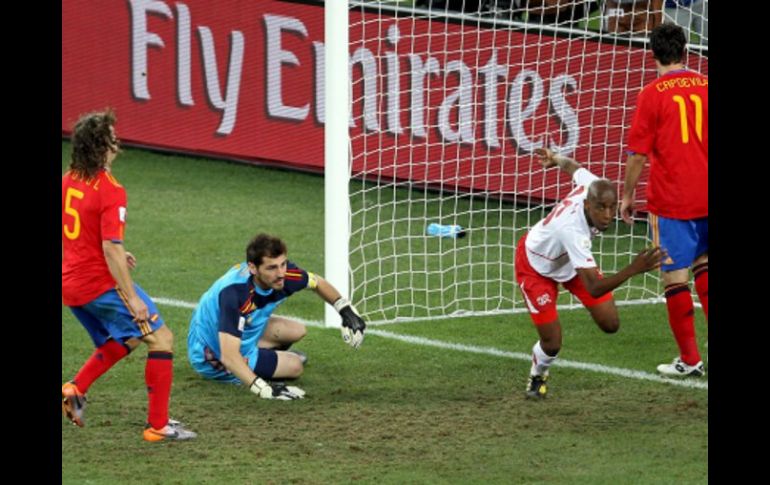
<point>433,109</point>
<point>336,153</point>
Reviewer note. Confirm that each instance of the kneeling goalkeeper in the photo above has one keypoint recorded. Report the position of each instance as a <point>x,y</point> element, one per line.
<point>233,336</point>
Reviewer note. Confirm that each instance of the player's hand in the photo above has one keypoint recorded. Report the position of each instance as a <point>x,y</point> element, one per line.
<point>139,309</point>
<point>277,390</point>
<point>353,325</point>
<point>648,259</point>
<point>286,393</point>
<point>130,260</point>
<point>546,157</point>
<point>627,210</point>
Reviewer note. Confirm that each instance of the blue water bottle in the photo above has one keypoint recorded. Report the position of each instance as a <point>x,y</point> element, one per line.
<point>452,230</point>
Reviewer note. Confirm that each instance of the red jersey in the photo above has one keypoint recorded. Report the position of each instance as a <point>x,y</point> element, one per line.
<point>92,211</point>
<point>671,128</point>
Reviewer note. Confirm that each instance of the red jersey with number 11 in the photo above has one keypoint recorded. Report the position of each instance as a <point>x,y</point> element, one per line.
<point>671,127</point>
<point>92,211</point>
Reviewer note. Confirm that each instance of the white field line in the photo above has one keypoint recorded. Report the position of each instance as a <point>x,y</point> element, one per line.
<point>632,374</point>
<point>175,303</point>
<point>463,313</point>
<point>603,369</point>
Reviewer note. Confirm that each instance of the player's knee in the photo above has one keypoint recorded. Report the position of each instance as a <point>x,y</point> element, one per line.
<point>301,332</point>
<point>294,368</point>
<point>166,337</point>
<point>132,343</point>
<point>161,340</point>
<point>610,324</point>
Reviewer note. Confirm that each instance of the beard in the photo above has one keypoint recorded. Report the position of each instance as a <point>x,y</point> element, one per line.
<point>266,284</point>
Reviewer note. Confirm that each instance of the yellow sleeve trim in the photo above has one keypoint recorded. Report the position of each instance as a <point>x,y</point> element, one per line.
<point>113,180</point>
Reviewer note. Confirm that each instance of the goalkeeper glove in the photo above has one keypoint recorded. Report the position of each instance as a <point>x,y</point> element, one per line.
<point>275,391</point>
<point>352,324</point>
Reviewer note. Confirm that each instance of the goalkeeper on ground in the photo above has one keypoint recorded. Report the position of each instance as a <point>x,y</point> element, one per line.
<point>233,336</point>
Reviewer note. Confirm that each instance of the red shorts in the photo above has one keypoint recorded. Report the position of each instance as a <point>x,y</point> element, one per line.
<point>540,293</point>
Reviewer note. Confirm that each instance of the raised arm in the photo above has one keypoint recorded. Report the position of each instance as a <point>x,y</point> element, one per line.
<point>550,159</point>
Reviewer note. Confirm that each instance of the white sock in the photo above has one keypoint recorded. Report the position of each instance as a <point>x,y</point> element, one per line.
<point>540,361</point>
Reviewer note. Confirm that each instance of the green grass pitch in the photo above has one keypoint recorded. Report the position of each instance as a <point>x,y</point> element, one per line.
<point>392,412</point>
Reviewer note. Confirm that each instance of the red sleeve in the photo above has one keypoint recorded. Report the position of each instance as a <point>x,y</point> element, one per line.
<point>642,136</point>
<point>113,216</point>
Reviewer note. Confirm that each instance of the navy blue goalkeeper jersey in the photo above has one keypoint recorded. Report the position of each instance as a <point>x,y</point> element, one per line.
<point>236,306</point>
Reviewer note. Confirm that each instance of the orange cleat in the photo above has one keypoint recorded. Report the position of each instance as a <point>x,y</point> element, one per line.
<point>73,403</point>
<point>174,430</point>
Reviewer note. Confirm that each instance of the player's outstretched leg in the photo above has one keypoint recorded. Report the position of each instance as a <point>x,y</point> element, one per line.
<point>544,353</point>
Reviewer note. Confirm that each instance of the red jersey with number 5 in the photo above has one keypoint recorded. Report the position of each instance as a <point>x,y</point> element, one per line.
<point>92,211</point>
<point>670,126</point>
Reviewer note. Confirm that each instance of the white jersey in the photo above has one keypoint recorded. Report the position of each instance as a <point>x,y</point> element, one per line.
<point>562,241</point>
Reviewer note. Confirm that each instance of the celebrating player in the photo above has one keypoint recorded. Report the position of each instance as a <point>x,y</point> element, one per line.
<point>558,250</point>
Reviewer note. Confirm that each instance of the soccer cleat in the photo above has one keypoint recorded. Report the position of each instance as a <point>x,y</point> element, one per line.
<point>536,387</point>
<point>73,403</point>
<point>174,430</point>
<point>302,356</point>
<point>677,368</point>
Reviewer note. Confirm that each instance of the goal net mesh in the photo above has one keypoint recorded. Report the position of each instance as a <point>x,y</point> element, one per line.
<point>449,99</point>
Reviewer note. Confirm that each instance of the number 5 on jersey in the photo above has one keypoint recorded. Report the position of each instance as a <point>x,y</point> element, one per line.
<point>68,209</point>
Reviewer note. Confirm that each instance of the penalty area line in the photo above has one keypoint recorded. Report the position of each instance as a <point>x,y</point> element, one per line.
<point>426,342</point>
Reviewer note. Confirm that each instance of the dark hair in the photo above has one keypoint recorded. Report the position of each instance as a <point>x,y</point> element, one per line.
<point>91,139</point>
<point>668,41</point>
<point>264,245</point>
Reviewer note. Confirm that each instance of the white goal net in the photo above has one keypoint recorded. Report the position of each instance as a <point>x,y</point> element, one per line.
<point>449,99</point>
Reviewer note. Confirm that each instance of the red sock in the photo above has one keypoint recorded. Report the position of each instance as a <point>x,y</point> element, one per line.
<point>100,362</point>
<point>158,374</point>
<point>680,318</point>
<point>701,273</point>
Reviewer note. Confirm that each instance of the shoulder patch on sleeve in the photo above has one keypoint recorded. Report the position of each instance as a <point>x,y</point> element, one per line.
<point>585,242</point>
<point>312,280</point>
